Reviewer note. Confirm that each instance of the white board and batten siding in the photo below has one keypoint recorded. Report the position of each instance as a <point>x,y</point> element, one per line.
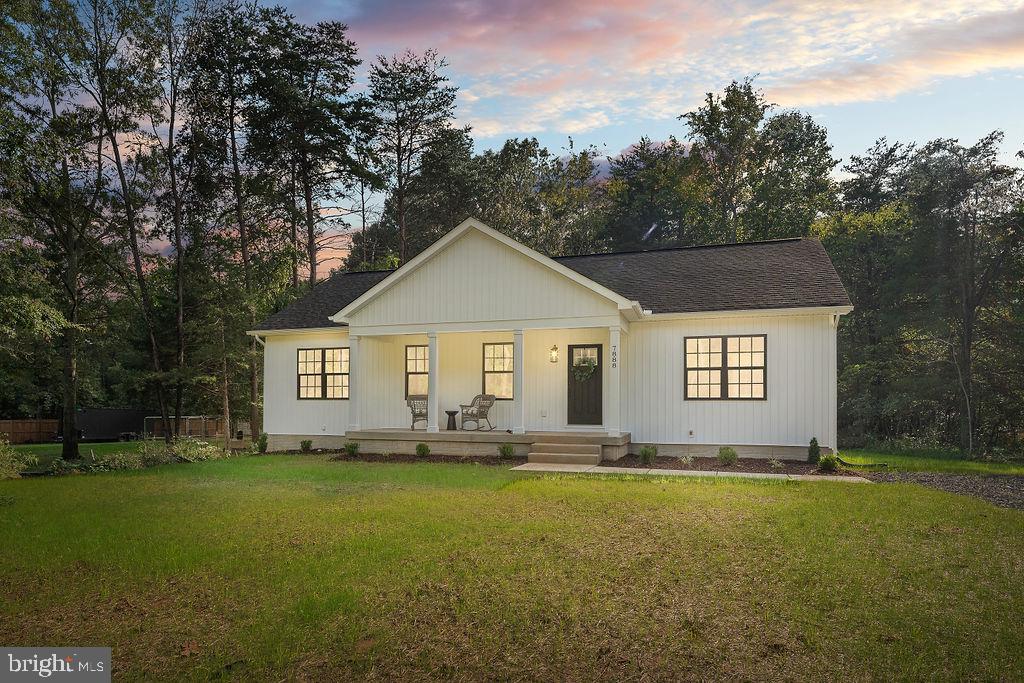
<point>477,289</point>
<point>801,384</point>
<point>484,284</point>
<point>283,412</point>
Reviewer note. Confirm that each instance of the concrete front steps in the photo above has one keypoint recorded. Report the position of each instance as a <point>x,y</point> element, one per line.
<point>564,452</point>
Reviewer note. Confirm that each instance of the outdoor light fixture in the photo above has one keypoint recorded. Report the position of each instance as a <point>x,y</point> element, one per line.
<point>553,354</point>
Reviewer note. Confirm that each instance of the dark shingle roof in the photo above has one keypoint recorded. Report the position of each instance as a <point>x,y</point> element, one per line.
<point>326,298</point>
<point>792,273</point>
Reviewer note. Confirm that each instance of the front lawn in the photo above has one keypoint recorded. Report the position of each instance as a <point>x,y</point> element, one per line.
<point>285,567</point>
<point>931,461</point>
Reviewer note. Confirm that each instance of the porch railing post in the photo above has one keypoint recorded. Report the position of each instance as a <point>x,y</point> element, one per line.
<point>354,384</point>
<point>614,419</point>
<point>432,385</point>
<point>518,400</point>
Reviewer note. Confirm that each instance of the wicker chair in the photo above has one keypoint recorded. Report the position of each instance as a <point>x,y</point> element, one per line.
<point>418,405</point>
<point>476,412</point>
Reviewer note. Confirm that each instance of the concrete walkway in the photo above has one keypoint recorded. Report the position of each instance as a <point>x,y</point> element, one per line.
<point>602,469</point>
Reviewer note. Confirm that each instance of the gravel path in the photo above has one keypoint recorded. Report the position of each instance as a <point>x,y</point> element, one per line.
<point>999,489</point>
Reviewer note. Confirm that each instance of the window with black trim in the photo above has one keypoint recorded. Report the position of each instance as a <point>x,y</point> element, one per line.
<point>726,368</point>
<point>498,368</point>
<point>417,370</point>
<point>323,373</point>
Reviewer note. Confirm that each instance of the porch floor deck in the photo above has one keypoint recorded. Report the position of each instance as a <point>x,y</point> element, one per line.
<point>458,442</point>
<point>497,436</point>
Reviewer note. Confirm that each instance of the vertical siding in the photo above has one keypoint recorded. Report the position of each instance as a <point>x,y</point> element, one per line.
<point>283,413</point>
<point>801,379</point>
<point>477,278</point>
<point>801,384</point>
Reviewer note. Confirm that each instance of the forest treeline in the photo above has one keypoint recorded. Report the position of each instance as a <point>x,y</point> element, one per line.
<point>172,171</point>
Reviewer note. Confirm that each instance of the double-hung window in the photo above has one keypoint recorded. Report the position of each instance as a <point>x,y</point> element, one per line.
<point>498,365</point>
<point>323,373</point>
<point>417,369</point>
<point>726,367</point>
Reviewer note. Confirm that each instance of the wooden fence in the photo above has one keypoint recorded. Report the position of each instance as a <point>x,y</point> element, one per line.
<point>29,431</point>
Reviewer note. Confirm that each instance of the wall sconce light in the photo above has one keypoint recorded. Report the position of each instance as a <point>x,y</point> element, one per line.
<point>553,354</point>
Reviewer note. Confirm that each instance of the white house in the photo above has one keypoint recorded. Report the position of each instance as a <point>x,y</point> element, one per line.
<point>692,348</point>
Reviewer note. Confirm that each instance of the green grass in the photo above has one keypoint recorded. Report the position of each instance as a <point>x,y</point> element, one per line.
<point>931,461</point>
<point>45,453</point>
<point>285,567</point>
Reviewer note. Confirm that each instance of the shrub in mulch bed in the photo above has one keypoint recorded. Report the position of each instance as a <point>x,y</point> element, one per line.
<point>665,462</point>
<point>433,457</point>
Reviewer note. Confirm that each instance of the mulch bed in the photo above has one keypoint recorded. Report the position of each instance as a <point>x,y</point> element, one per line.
<point>1004,490</point>
<point>436,458</point>
<point>664,462</point>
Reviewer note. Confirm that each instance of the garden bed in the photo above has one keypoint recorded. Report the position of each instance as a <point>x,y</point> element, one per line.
<point>705,464</point>
<point>493,460</point>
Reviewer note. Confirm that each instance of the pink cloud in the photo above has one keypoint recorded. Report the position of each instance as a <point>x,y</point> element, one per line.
<point>965,48</point>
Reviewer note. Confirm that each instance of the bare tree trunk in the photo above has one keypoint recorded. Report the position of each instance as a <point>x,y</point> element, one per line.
<point>69,422</point>
<point>295,228</point>
<point>243,239</point>
<point>225,388</point>
<point>140,278</point>
<point>307,194</point>
<point>176,220</point>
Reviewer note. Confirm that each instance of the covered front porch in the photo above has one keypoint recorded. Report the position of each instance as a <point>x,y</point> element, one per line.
<point>529,370</point>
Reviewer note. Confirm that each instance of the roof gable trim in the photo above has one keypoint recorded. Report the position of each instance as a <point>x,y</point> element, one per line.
<point>454,234</point>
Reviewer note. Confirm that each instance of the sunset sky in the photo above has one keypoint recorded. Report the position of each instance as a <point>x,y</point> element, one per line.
<point>606,72</point>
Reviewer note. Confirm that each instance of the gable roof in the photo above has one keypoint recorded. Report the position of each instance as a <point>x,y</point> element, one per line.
<point>454,234</point>
<point>789,273</point>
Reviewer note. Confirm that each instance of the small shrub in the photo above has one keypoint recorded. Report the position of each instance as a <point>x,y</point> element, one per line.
<point>813,451</point>
<point>647,455</point>
<point>506,450</point>
<point>153,453</point>
<point>422,450</point>
<point>828,463</point>
<point>59,466</point>
<point>306,445</point>
<point>727,456</point>
<point>187,449</point>
<point>119,460</point>
<point>351,448</point>
<point>261,442</point>
<point>13,462</point>
<point>686,460</point>
<point>775,464</point>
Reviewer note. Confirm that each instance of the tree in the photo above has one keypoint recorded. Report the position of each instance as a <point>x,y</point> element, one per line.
<point>175,23</point>
<point>790,182</point>
<point>415,107</point>
<point>305,118</point>
<point>767,177</point>
<point>656,198</point>
<point>969,209</point>
<point>54,188</point>
<point>724,133</point>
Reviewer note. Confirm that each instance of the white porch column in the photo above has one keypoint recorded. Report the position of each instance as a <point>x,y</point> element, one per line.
<point>613,421</point>
<point>432,386</point>
<point>518,400</point>
<point>354,385</point>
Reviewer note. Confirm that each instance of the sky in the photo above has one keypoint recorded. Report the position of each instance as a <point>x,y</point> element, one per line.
<point>606,73</point>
